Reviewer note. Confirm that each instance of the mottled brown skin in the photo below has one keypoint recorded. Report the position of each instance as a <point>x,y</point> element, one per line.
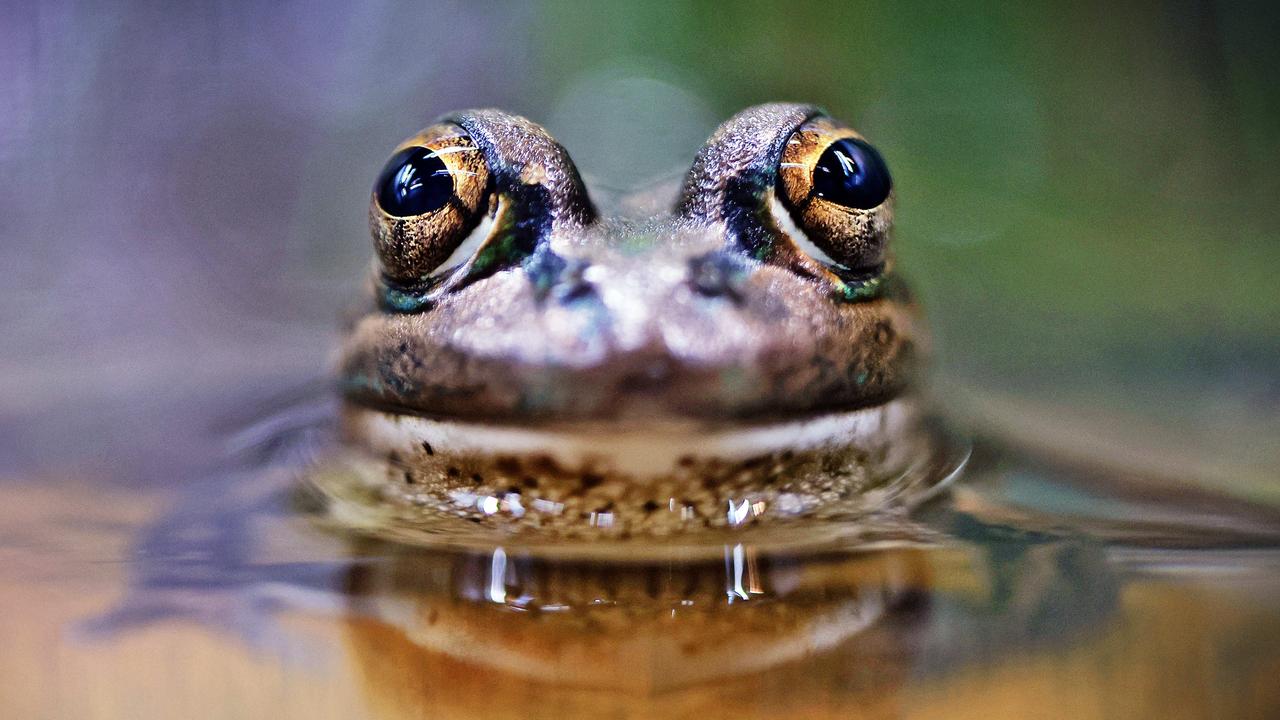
<point>708,312</point>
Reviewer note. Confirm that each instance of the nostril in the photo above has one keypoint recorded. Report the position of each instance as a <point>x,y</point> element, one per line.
<point>571,289</point>
<point>718,274</point>
<point>564,280</point>
<point>574,282</point>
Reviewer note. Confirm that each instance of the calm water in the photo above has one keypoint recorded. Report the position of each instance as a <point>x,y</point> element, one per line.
<point>1034,588</point>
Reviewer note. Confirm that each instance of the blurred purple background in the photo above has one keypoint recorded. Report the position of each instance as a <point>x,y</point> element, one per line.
<point>1087,191</point>
<point>184,203</point>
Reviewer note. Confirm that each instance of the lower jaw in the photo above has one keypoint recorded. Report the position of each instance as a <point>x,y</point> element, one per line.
<point>656,480</point>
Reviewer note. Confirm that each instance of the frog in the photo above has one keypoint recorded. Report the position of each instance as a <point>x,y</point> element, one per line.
<point>532,366</point>
<point>737,346</point>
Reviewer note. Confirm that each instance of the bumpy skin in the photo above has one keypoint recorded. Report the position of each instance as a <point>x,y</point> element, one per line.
<point>708,312</point>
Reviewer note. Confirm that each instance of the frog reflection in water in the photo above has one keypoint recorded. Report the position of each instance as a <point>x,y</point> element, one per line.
<point>532,362</point>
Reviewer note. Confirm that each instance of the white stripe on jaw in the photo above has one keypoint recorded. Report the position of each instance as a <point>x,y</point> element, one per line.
<point>466,249</point>
<point>640,451</point>
<point>782,217</point>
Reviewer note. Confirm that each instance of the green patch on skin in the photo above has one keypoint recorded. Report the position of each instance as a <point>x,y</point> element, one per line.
<point>402,301</point>
<point>501,252</point>
<point>637,244</point>
<point>504,250</point>
<point>860,290</point>
<point>734,381</point>
<point>764,217</point>
<point>361,382</point>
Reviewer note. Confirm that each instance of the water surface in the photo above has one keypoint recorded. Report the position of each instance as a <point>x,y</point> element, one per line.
<point>1028,590</point>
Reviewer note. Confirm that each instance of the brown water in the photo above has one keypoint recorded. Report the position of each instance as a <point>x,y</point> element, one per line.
<point>1032,589</point>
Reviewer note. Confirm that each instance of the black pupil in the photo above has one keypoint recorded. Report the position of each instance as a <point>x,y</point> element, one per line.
<point>414,181</point>
<point>851,173</point>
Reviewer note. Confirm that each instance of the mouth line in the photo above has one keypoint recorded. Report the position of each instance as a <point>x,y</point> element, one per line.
<point>629,411</point>
<point>648,449</point>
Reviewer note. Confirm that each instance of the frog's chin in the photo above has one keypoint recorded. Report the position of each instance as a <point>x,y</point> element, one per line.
<point>425,478</point>
<point>648,450</point>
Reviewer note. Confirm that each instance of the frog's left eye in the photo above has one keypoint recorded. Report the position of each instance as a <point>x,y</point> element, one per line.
<point>837,189</point>
<point>428,199</point>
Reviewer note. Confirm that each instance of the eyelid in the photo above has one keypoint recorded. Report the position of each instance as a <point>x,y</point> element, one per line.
<point>782,216</point>
<point>454,149</point>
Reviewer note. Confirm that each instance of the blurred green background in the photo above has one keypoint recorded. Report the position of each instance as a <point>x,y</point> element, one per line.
<point>1087,191</point>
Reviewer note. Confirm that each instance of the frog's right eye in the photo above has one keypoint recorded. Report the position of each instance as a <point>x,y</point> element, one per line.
<point>427,201</point>
<point>835,187</point>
